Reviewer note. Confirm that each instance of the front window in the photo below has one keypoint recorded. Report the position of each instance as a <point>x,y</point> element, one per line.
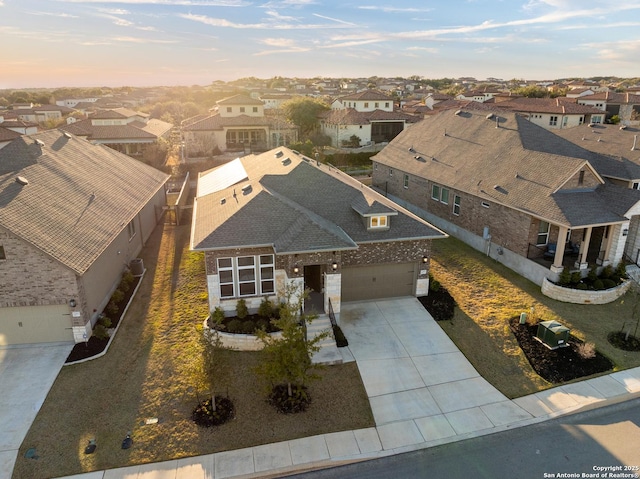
<point>255,109</point>
<point>241,109</point>
<point>543,233</point>
<point>229,109</point>
<point>444,196</point>
<point>131,229</point>
<point>3,255</point>
<point>456,205</point>
<point>553,120</point>
<point>246,276</point>
<point>378,222</point>
<point>406,181</point>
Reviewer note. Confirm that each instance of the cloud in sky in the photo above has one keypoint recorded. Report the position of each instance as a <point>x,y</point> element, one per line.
<point>529,39</point>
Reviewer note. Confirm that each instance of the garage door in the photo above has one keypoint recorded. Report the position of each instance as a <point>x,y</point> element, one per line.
<point>380,281</point>
<point>35,324</point>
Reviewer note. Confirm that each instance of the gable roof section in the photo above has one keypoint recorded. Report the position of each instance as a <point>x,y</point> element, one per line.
<point>239,100</point>
<point>517,164</point>
<point>290,203</point>
<point>366,95</point>
<point>79,197</point>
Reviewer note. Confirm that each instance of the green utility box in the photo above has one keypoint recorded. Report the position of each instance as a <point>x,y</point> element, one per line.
<point>553,334</point>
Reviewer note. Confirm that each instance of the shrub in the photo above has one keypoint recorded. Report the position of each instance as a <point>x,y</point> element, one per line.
<point>598,285</point>
<point>576,276</point>
<point>592,276</point>
<point>112,308</point>
<point>234,326</point>
<point>606,272</point>
<point>621,270</point>
<point>565,277</point>
<point>586,350</point>
<point>248,327</point>
<point>104,321</point>
<point>241,309</point>
<point>341,340</point>
<point>582,286</point>
<point>434,284</point>
<point>117,296</point>
<point>609,283</point>
<point>266,308</point>
<point>217,316</point>
<point>100,332</point>
<point>262,324</point>
<point>124,286</point>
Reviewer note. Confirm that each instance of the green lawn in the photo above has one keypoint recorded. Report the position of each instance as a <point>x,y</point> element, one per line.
<point>151,370</point>
<point>488,294</point>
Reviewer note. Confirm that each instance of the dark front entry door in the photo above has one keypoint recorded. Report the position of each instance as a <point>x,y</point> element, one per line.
<point>313,282</point>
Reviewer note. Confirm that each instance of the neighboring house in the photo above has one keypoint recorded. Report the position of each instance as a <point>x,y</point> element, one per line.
<point>579,92</point>
<point>42,113</point>
<point>274,100</point>
<point>238,123</point>
<point>625,105</point>
<point>478,95</point>
<point>73,102</point>
<point>511,189</point>
<point>369,115</point>
<point>278,218</point>
<point>72,217</point>
<point>20,126</point>
<point>554,113</point>
<point>127,131</point>
<point>7,136</point>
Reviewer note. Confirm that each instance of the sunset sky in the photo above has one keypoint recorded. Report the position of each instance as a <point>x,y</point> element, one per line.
<point>54,43</point>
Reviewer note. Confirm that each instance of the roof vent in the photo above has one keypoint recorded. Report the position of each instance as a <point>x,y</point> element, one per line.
<point>246,189</point>
<point>40,142</point>
<point>591,125</point>
<point>623,127</point>
<point>599,140</point>
<point>489,116</point>
<point>458,112</point>
<point>411,150</point>
<point>223,201</point>
<point>286,162</point>
<point>279,154</point>
<point>67,134</point>
<point>21,180</point>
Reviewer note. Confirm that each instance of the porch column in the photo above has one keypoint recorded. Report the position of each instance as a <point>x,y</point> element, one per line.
<point>557,266</point>
<point>607,247</point>
<point>584,249</point>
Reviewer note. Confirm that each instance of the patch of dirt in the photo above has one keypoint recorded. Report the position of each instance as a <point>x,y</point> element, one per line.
<point>557,365</point>
<point>203,415</point>
<point>620,341</point>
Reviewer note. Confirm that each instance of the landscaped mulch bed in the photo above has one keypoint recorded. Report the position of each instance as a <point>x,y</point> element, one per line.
<point>439,303</point>
<point>94,346</point>
<point>557,365</point>
<point>621,341</point>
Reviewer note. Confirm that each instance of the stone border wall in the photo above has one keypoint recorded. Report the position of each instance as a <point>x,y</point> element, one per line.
<point>579,296</point>
<point>240,342</point>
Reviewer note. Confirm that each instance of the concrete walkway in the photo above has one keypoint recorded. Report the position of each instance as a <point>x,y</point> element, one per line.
<point>423,392</point>
<point>26,376</point>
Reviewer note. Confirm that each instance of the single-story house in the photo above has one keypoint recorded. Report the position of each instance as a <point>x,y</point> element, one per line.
<point>72,217</point>
<point>514,190</point>
<point>266,221</point>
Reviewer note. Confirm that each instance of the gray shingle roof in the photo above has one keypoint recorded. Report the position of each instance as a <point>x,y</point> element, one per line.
<point>296,206</point>
<point>519,165</point>
<point>79,197</point>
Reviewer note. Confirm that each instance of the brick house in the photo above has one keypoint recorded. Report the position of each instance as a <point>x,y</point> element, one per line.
<point>512,189</point>
<point>278,218</point>
<point>72,217</point>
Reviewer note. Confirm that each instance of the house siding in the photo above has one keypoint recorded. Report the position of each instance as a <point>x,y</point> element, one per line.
<point>589,180</point>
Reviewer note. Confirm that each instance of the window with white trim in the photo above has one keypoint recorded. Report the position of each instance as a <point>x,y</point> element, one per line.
<point>377,222</point>
<point>444,195</point>
<point>131,229</point>
<point>456,205</point>
<point>553,120</point>
<point>246,276</point>
<point>255,109</point>
<point>636,185</point>
<point>405,181</point>
<point>435,192</point>
<point>543,233</point>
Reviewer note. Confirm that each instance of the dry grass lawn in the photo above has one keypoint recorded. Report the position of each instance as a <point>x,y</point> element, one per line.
<point>488,294</point>
<point>150,371</point>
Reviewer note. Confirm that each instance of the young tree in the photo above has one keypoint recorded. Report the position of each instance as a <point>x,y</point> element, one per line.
<point>287,360</point>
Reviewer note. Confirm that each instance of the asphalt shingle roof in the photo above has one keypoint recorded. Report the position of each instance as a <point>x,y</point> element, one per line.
<point>79,196</point>
<point>296,206</point>
<point>518,164</point>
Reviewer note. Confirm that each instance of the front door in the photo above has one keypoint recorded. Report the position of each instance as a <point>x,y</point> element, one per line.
<point>313,282</point>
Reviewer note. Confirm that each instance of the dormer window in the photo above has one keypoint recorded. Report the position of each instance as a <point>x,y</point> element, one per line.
<point>377,222</point>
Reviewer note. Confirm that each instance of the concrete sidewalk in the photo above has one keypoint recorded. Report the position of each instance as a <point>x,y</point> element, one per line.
<point>423,393</point>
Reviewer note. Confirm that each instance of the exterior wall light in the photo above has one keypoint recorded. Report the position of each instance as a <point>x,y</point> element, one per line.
<point>425,259</point>
<point>72,303</point>
<point>296,270</point>
<point>334,266</point>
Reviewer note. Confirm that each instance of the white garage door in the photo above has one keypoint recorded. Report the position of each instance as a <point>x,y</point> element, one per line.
<point>35,324</point>
<point>378,281</point>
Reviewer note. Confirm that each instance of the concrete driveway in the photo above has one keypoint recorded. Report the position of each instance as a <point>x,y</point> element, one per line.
<point>420,386</point>
<point>26,376</point>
